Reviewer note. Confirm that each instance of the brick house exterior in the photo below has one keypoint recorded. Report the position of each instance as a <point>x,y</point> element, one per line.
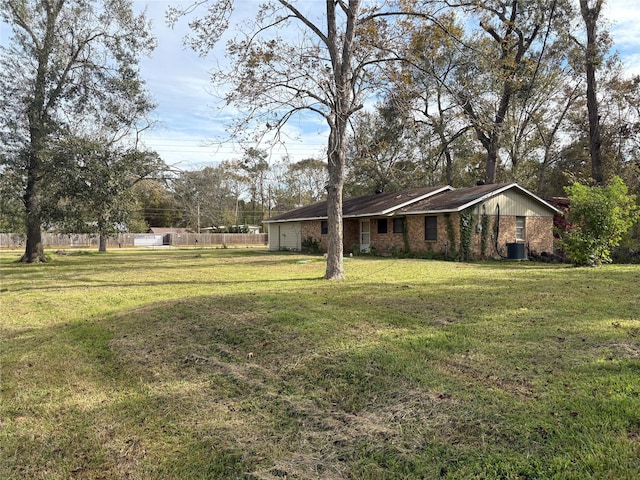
<point>497,218</point>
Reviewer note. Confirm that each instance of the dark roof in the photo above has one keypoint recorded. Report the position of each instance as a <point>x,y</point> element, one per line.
<point>364,206</point>
<point>458,199</point>
<point>414,201</point>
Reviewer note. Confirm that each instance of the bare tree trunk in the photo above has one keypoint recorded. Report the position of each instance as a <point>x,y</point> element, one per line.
<point>103,243</point>
<point>341,48</point>
<point>495,137</point>
<point>590,17</point>
<point>336,159</point>
<point>547,140</point>
<point>34,250</point>
<point>491,164</point>
<point>39,122</point>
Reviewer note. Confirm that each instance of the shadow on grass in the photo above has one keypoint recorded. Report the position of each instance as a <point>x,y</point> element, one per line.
<point>452,371</point>
<point>369,379</point>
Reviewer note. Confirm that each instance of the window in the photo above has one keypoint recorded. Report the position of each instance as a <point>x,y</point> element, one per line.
<point>382,225</point>
<point>431,229</point>
<point>398,225</point>
<point>324,227</point>
<point>520,229</point>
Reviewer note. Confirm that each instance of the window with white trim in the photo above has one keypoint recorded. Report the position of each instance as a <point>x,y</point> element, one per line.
<point>521,229</point>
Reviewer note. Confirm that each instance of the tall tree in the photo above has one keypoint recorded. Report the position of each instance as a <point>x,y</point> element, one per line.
<point>427,84</point>
<point>590,15</point>
<point>207,197</point>
<point>502,59</point>
<point>299,184</point>
<point>69,64</point>
<point>155,204</point>
<point>379,156</point>
<point>327,67</point>
<point>255,167</point>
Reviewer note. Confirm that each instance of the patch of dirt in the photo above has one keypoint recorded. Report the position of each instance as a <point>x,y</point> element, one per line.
<point>328,435</point>
<point>444,321</point>
<point>616,351</point>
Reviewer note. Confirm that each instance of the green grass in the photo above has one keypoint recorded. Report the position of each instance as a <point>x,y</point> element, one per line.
<point>201,364</point>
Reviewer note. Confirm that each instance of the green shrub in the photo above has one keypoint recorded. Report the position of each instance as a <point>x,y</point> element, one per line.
<point>310,244</point>
<point>598,217</point>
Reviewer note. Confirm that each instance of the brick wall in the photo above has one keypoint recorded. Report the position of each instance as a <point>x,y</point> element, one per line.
<point>538,232</point>
<point>351,234</point>
<point>539,236</point>
<point>416,234</point>
<point>312,229</point>
<point>385,243</point>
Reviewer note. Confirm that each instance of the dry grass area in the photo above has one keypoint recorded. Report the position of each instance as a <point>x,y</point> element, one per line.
<point>246,364</point>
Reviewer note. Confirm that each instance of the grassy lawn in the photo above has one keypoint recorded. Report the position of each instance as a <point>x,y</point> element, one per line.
<point>223,364</point>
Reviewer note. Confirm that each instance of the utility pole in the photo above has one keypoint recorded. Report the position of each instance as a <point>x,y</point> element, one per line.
<point>198,214</point>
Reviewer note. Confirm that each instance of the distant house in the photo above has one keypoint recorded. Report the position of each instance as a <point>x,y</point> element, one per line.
<point>485,221</point>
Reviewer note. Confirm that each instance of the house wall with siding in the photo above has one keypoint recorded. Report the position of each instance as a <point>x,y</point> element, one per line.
<point>513,203</point>
<point>284,236</point>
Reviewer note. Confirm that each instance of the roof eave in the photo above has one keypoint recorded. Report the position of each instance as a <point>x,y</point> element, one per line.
<point>484,197</point>
<point>298,219</point>
<point>389,211</point>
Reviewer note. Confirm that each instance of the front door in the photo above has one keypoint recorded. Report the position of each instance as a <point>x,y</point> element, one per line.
<point>365,235</point>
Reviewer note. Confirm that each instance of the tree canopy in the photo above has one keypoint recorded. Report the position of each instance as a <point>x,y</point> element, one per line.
<point>70,70</point>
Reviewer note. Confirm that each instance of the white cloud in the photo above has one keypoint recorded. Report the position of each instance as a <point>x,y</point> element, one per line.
<point>624,16</point>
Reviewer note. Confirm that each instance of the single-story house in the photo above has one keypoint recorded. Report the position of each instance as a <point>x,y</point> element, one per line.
<point>485,221</point>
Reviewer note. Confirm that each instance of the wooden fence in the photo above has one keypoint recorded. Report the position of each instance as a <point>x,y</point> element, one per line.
<point>72,240</point>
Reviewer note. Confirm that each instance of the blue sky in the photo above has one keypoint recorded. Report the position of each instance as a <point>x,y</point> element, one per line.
<point>188,121</point>
<point>179,81</point>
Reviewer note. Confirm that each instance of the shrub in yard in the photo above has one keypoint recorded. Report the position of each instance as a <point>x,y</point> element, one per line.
<point>599,217</point>
<point>310,244</point>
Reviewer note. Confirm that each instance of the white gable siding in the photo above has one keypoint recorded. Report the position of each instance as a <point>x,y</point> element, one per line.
<point>515,203</point>
<point>285,236</point>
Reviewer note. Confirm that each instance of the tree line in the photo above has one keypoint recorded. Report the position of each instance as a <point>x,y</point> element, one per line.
<point>413,92</point>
